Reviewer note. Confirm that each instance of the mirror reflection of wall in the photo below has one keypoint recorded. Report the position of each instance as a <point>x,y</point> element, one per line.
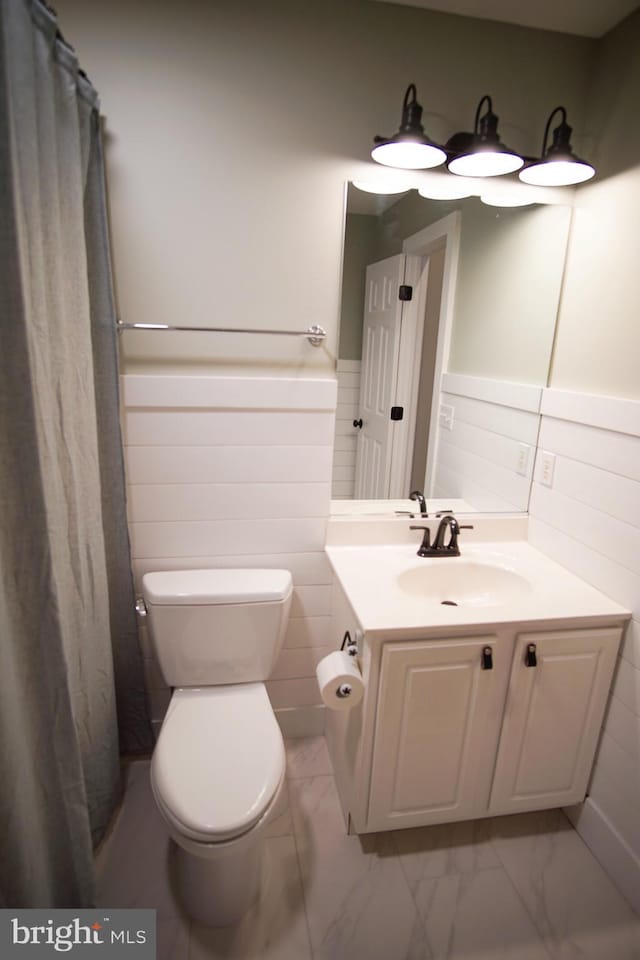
<point>494,275</point>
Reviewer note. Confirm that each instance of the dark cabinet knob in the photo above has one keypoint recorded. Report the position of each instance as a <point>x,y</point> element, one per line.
<point>358,423</point>
<point>531,659</point>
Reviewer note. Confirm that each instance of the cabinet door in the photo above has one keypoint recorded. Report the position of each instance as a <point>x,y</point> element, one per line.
<point>437,726</point>
<point>553,715</point>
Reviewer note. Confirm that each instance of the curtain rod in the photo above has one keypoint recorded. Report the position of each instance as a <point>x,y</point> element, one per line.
<point>314,334</point>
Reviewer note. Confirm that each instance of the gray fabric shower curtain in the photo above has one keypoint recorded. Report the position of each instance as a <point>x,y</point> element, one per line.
<point>71,681</point>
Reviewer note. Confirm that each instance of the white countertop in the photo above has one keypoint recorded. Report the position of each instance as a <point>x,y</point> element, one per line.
<point>536,589</point>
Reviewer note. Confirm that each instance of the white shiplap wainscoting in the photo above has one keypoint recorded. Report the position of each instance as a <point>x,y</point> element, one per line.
<point>236,472</point>
<point>485,427</point>
<point>346,435</point>
<point>588,519</point>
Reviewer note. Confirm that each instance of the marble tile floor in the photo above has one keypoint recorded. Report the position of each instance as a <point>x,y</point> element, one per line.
<point>513,888</point>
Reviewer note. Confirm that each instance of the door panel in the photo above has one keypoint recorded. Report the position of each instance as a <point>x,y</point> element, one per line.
<point>437,727</point>
<point>380,346</point>
<point>552,720</point>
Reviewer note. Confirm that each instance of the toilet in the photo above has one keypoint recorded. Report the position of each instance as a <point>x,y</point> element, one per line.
<point>217,771</point>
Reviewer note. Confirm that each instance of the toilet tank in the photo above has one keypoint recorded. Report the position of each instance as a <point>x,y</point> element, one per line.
<point>210,627</point>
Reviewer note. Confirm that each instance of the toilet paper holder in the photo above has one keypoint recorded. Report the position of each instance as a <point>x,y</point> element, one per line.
<point>339,677</point>
<point>351,644</point>
<point>345,689</point>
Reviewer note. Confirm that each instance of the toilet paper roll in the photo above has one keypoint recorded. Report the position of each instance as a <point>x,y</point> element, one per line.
<point>340,681</point>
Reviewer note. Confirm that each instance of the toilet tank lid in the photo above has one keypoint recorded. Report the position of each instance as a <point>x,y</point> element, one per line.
<point>216,586</point>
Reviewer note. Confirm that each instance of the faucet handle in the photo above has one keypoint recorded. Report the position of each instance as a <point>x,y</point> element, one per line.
<point>426,540</point>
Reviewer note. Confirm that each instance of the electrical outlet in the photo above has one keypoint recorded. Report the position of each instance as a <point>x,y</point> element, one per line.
<point>446,416</point>
<point>522,460</point>
<point>547,463</point>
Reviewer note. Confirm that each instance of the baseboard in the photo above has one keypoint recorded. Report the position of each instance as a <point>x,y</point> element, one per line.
<point>301,721</point>
<point>608,846</point>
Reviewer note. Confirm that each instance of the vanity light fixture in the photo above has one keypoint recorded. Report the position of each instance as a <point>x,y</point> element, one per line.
<point>410,148</point>
<point>481,154</point>
<point>558,166</point>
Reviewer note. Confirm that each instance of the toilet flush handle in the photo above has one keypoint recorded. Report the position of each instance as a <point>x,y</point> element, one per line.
<point>141,608</point>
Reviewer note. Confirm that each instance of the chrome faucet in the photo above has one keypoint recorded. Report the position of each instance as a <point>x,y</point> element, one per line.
<point>439,548</point>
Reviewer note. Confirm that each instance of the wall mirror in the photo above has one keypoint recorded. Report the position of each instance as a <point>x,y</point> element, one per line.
<point>447,323</point>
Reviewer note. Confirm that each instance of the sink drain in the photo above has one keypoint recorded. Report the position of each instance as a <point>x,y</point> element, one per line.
<point>448,603</point>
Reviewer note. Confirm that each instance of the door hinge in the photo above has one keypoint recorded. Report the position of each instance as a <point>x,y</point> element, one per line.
<point>397,413</point>
<point>405,292</point>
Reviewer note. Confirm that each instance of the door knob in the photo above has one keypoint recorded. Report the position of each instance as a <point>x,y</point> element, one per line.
<point>358,423</point>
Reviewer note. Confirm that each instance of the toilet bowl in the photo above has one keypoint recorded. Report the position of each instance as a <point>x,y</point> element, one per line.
<point>217,772</point>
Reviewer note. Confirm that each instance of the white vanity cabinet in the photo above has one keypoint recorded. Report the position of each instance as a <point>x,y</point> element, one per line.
<point>486,681</point>
<point>463,727</point>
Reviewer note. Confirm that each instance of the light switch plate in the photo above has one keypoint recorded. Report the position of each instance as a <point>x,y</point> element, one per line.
<point>446,414</point>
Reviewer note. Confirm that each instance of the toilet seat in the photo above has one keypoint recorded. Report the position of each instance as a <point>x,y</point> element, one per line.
<point>218,762</point>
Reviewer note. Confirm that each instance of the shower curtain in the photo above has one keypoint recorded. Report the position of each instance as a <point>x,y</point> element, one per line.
<point>71,681</point>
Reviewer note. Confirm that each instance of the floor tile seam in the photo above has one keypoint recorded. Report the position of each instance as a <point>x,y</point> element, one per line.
<point>541,936</point>
<point>478,868</point>
<point>300,873</point>
<point>422,920</point>
<point>544,938</point>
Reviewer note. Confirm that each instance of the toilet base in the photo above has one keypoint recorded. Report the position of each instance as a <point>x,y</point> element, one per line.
<point>218,892</point>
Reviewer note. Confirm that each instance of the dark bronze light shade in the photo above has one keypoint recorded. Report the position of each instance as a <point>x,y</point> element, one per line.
<point>410,148</point>
<point>558,166</point>
<point>481,153</point>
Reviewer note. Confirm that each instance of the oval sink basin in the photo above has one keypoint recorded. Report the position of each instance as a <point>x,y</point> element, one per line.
<point>463,583</point>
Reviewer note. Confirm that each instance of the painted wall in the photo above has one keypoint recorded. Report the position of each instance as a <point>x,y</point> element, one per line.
<point>598,339</point>
<point>233,126</point>
<point>507,291</point>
